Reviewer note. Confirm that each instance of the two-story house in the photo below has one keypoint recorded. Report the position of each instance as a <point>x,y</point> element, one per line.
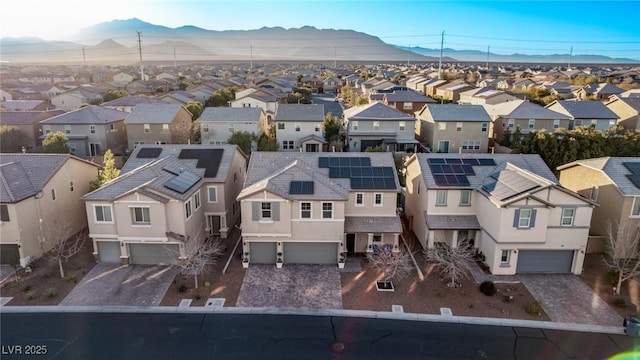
<point>128,103</point>
<point>217,124</point>
<point>262,98</point>
<point>167,200</point>
<point>600,92</point>
<point>453,128</point>
<point>484,96</point>
<point>40,201</point>
<point>72,99</point>
<point>376,124</point>
<point>627,109</point>
<point>407,101</point>
<point>586,113</point>
<point>158,124</point>
<point>299,127</point>
<point>315,208</point>
<point>91,130</point>
<point>451,91</point>
<point>28,124</point>
<point>526,116</point>
<point>519,218</point>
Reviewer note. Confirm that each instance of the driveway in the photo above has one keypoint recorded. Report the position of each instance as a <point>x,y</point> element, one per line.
<point>309,286</point>
<point>6,271</point>
<point>114,284</point>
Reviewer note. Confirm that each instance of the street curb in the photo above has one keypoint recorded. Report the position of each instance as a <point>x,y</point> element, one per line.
<point>545,325</point>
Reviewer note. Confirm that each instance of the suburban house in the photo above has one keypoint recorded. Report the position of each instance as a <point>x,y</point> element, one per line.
<point>26,105</point>
<point>374,84</point>
<point>526,116</point>
<point>262,98</point>
<point>315,208</point>
<point>451,91</point>
<point>40,202</point>
<point>509,206</point>
<point>299,127</point>
<point>217,124</point>
<point>331,84</point>
<point>158,124</point>
<point>484,96</point>
<point>586,113</point>
<point>612,182</point>
<point>167,200</point>
<point>128,103</point>
<point>598,91</point>
<point>627,109</point>
<point>73,99</point>
<point>453,128</point>
<point>123,78</point>
<point>431,86</point>
<point>376,124</point>
<point>91,130</point>
<point>417,83</point>
<point>407,101</point>
<point>150,87</point>
<point>28,123</point>
<point>176,97</point>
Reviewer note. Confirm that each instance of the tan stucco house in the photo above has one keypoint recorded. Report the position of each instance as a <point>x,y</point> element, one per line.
<point>511,205</point>
<point>217,124</point>
<point>453,128</point>
<point>158,124</point>
<point>40,195</point>
<point>315,208</point>
<point>167,200</point>
<point>627,110</point>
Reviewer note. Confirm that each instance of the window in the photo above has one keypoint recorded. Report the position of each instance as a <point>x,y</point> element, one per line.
<point>327,210</point>
<point>401,125</point>
<point>504,257</point>
<point>103,213</point>
<point>212,194</point>
<point>377,238</point>
<point>305,210</point>
<point>532,123</point>
<point>485,127</point>
<point>442,126</point>
<point>53,194</point>
<point>235,177</point>
<point>141,216</point>
<point>265,212</point>
<point>165,128</point>
<point>458,126</point>
<point>71,187</point>
<point>316,128</point>
<point>635,209</point>
<point>67,129</point>
<point>354,125</point>
<point>594,193</point>
<point>465,197</point>
<point>377,199</point>
<point>232,128</point>
<point>187,209</point>
<point>297,125</point>
<point>612,123</point>
<point>160,142</point>
<point>359,199</point>
<point>147,128</point>
<point>4,213</point>
<point>280,126</point>
<point>511,123</point>
<point>92,129</point>
<point>556,124</point>
<point>196,200</point>
<point>594,122</point>
<point>376,125</point>
<point>46,129</point>
<point>524,220</point>
<point>72,148</point>
<point>567,216</point>
<point>470,144</point>
<point>407,105</point>
<point>287,145</point>
<point>112,127</point>
<point>441,198</point>
<point>205,128</point>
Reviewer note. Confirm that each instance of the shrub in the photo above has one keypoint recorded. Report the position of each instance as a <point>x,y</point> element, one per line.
<point>182,288</point>
<point>51,293</point>
<point>31,295</point>
<point>26,288</point>
<point>533,308</point>
<point>46,274</point>
<point>612,276</point>
<point>488,288</point>
<point>197,296</point>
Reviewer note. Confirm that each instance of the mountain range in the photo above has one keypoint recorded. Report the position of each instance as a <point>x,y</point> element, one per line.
<point>125,41</point>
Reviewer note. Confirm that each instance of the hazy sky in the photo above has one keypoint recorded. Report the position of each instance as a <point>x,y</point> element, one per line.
<point>610,28</point>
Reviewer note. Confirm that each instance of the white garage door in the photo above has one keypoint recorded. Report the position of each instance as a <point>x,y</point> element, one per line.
<point>262,252</point>
<point>109,251</point>
<point>544,261</point>
<point>153,254</point>
<point>310,253</point>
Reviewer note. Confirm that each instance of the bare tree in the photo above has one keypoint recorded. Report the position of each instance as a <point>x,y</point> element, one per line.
<point>623,250</point>
<point>393,265</point>
<point>204,257</point>
<point>453,262</point>
<point>65,243</point>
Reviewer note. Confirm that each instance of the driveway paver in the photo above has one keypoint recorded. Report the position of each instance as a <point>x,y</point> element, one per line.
<point>114,284</point>
<point>312,286</point>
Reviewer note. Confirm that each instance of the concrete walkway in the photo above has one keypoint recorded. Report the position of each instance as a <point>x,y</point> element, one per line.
<point>564,297</point>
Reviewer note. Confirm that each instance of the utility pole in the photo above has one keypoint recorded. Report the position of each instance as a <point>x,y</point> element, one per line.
<point>251,50</point>
<point>488,48</point>
<point>408,53</point>
<point>84,58</point>
<point>570,55</point>
<point>335,56</point>
<point>140,51</point>
<point>440,63</point>
<point>175,60</point>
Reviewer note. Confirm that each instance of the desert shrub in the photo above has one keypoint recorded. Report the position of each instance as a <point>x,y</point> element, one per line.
<point>507,298</point>
<point>51,293</point>
<point>183,288</point>
<point>533,308</point>
<point>26,288</point>
<point>46,274</point>
<point>488,288</point>
<point>619,303</point>
<point>71,278</point>
<point>31,295</point>
<point>197,296</point>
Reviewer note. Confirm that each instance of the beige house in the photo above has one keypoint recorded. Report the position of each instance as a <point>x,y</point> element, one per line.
<point>612,182</point>
<point>315,208</point>
<point>627,109</point>
<point>299,127</point>
<point>376,124</point>
<point>484,96</point>
<point>511,205</point>
<point>40,198</point>
<point>158,124</point>
<point>451,128</point>
<point>526,116</point>
<point>217,124</point>
<point>28,123</point>
<point>167,200</point>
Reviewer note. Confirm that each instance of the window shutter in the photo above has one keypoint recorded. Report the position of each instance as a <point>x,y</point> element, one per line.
<point>255,216</point>
<point>532,223</point>
<point>516,218</point>
<point>275,208</point>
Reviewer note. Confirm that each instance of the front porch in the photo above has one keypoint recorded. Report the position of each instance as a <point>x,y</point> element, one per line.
<point>451,229</point>
<point>312,143</point>
<point>370,234</point>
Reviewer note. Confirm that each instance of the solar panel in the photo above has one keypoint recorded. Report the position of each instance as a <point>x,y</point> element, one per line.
<point>367,172</point>
<point>208,159</point>
<point>356,171</point>
<point>457,169</point>
<point>354,161</point>
<point>470,161</point>
<point>365,161</point>
<point>172,169</point>
<point>389,183</point>
<point>635,179</point>
<point>440,180</point>
<point>334,161</point>
<point>387,171</point>
<point>436,161</point>
<point>634,167</point>
<point>182,182</point>
<point>377,171</point>
<point>301,187</point>
<point>334,172</point>
<point>378,183</point>
<point>356,183</point>
<point>436,169</point>
<point>486,162</point>
<point>345,172</point>
<point>462,180</point>
<point>446,169</point>
<point>454,161</point>
<point>468,170</point>
<point>367,183</point>
<point>149,153</point>
<point>323,162</point>
<point>344,161</point>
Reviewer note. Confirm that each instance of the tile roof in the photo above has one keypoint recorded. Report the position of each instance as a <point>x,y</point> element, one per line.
<point>299,112</point>
<point>521,109</point>
<point>214,114</point>
<point>21,117</point>
<point>604,88</point>
<point>456,112</point>
<point>612,167</point>
<point>634,103</point>
<point>452,222</point>
<point>378,224</point>
<point>21,104</point>
<point>132,101</point>
<point>153,114</point>
<point>93,114</point>
<point>585,109</point>
<point>407,96</point>
<point>375,111</point>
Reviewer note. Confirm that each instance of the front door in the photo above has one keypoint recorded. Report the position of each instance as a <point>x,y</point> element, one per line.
<point>351,243</point>
<point>443,146</point>
<point>311,148</point>
<point>213,223</point>
<point>94,149</point>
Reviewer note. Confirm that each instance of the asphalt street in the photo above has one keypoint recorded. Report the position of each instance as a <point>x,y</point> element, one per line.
<point>240,336</point>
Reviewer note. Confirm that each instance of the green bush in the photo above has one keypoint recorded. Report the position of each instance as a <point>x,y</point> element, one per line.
<point>51,293</point>
<point>26,288</point>
<point>197,297</point>
<point>488,288</point>
<point>183,288</point>
<point>31,295</point>
<point>533,308</point>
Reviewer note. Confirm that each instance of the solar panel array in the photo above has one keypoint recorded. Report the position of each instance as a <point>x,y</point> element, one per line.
<point>183,182</point>
<point>208,159</point>
<point>634,177</point>
<point>149,153</point>
<point>508,183</point>
<point>360,172</point>
<point>454,171</point>
<point>301,187</point>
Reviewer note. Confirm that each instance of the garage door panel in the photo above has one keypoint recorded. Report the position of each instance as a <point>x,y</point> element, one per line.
<point>262,252</point>
<point>310,253</point>
<point>109,251</point>
<point>153,254</point>
<point>545,261</point>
